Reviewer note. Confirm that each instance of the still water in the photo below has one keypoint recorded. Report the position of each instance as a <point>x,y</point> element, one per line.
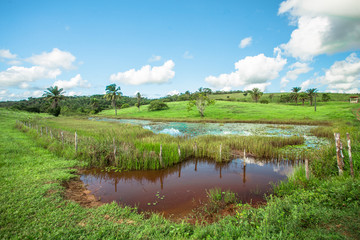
<point>179,189</point>
<point>242,129</point>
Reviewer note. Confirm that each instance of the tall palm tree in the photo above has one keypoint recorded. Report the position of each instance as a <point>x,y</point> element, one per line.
<point>54,94</point>
<point>138,97</point>
<point>112,94</point>
<point>295,93</point>
<point>256,94</point>
<point>303,96</point>
<point>311,93</point>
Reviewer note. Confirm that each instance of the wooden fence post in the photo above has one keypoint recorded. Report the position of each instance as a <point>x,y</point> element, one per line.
<point>76,145</point>
<point>114,149</point>
<point>62,137</point>
<point>244,158</point>
<point>51,135</point>
<point>350,156</point>
<point>338,154</point>
<point>179,151</point>
<point>41,130</point>
<point>160,156</point>
<point>307,173</point>
<point>195,148</point>
<point>46,131</point>
<point>220,151</point>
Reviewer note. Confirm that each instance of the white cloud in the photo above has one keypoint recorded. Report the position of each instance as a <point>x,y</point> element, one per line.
<point>187,55</point>
<point>14,62</point>
<point>323,27</point>
<point>74,82</point>
<point>154,58</point>
<point>295,70</point>
<point>304,85</point>
<point>5,53</point>
<point>245,42</point>
<point>343,76</point>
<point>73,93</point>
<point>250,72</point>
<point>174,92</point>
<point>15,76</point>
<point>54,59</point>
<point>147,74</point>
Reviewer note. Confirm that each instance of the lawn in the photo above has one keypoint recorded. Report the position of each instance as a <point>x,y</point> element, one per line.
<point>224,111</point>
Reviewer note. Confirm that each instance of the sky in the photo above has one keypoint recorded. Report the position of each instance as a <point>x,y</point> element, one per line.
<point>161,48</point>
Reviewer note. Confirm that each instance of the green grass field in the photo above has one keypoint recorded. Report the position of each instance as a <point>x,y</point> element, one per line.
<point>224,111</point>
<point>33,206</point>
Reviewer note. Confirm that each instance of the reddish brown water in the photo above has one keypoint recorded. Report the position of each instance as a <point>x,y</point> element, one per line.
<point>181,188</point>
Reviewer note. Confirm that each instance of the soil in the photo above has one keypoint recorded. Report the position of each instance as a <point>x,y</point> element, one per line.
<point>76,191</point>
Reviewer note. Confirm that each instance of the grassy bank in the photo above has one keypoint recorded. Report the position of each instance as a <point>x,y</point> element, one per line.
<point>224,111</point>
<point>32,204</point>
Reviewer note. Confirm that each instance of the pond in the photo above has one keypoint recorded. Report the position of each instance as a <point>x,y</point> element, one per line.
<point>242,129</point>
<point>181,188</point>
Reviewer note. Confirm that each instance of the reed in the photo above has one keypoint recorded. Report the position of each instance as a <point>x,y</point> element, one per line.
<point>138,148</point>
<point>321,131</point>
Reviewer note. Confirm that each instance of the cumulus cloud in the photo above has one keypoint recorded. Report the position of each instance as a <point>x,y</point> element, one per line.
<point>174,92</point>
<point>54,59</point>
<point>250,72</point>
<point>154,58</point>
<point>5,53</point>
<point>245,42</point>
<point>323,27</point>
<point>187,55</point>
<point>15,76</point>
<point>74,82</point>
<point>304,85</point>
<point>343,76</point>
<point>295,70</point>
<point>147,74</point>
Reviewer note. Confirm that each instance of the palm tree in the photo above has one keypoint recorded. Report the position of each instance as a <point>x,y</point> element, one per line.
<point>256,94</point>
<point>303,96</point>
<point>311,93</point>
<point>138,96</point>
<point>54,94</point>
<point>295,93</point>
<point>112,94</point>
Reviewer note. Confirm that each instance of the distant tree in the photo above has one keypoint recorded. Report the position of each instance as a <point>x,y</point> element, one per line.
<point>295,93</point>
<point>285,98</point>
<point>303,97</point>
<point>95,105</point>
<point>256,94</point>
<point>55,95</point>
<point>271,97</point>
<point>207,91</point>
<point>325,97</point>
<point>201,101</point>
<point>113,94</point>
<point>311,93</point>
<point>157,105</point>
<point>138,97</point>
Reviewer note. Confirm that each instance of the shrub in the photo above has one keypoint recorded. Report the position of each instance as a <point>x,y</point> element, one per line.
<point>264,101</point>
<point>125,105</point>
<point>325,97</point>
<point>157,105</point>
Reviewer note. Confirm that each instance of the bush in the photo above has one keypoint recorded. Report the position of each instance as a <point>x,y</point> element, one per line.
<point>125,105</point>
<point>157,105</point>
<point>325,97</point>
<point>264,101</point>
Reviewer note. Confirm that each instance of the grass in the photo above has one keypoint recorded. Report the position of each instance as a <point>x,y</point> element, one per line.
<point>224,111</point>
<point>32,205</point>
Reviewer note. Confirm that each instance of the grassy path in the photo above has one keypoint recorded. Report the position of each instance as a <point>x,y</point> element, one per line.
<point>32,205</point>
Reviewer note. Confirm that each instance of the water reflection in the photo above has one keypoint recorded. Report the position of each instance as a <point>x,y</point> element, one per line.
<point>179,189</point>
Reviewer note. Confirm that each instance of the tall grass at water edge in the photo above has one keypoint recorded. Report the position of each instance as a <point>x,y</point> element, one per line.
<point>130,147</point>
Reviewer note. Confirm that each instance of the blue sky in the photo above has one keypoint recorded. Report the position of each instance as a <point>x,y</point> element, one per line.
<point>162,47</point>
